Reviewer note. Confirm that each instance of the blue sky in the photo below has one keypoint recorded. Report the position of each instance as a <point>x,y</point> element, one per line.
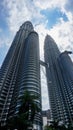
<point>53,17</point>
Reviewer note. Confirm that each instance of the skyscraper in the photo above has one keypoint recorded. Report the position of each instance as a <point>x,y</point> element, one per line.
<point>20,71</point>
<point>60,87</point>
<point>66,62</point>
<point>66,66</point>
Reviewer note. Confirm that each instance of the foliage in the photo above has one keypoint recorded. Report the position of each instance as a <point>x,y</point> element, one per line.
<point>55,126</point>
<point>26,114</point>
<point>48,127</point>
<point>29,105</point>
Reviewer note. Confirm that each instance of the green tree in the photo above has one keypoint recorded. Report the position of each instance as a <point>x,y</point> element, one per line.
<point>54,124</point>
<point>27,112</point>
<point>70,127</point>
<point>48,127</point>
<point>29,105</point>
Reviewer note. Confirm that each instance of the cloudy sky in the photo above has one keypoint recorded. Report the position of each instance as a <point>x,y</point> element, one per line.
<point>53,17</point>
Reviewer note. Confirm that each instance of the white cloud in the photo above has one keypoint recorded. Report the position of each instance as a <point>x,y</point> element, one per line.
<point>45,98</point>
<point>47,4</point>
<point>5,41</point>
<point>19,12</point>
<point>69,5</point>
<point>62,33</point>
<point>40,29</point>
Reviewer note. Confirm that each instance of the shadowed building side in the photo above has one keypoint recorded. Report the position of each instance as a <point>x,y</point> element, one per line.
<point>58,88</point>
<point>66,66</point>
<point>20,72</point>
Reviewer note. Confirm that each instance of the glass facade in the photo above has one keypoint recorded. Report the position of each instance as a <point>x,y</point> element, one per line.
<point>20,71</point>
<point>59,86</point>
<point>66,66</point>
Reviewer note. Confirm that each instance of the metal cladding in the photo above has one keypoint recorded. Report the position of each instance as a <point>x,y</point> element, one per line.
<point>20,71</point>
<point>59,72</point>
<point>67,63</point>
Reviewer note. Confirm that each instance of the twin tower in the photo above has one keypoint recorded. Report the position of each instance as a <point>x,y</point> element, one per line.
<point>20,71</point>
